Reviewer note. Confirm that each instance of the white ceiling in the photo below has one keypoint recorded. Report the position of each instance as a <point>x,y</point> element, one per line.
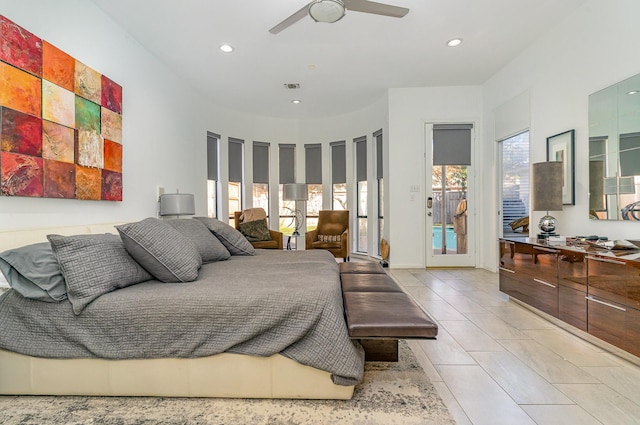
<point>356,59</point>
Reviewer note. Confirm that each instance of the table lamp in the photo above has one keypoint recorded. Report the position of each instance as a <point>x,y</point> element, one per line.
<point>547,194</point>
<point>296,192</point>
<point>177,204</point>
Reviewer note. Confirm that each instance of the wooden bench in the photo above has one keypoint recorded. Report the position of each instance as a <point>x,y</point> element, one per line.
<point>379,313</point>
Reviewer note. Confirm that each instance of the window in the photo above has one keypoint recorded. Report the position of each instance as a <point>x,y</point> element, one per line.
<point>377,136</point>
<point>338,176</point>
<point>212,174</point>
<point>313,176</point>
<point>261,176</point>
<point>515,179</point>
<point>286,166</point>
<point>236,165</point>
<point>361,194</point>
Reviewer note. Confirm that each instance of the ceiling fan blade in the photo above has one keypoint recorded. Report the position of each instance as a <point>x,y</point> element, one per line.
<point>304,11</point>
<point>376,8</point>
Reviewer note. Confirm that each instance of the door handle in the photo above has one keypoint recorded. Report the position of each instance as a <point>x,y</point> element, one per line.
<point>429,202</point>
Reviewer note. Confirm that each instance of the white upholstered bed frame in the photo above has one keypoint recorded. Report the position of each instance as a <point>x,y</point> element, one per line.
<point>221,375</point>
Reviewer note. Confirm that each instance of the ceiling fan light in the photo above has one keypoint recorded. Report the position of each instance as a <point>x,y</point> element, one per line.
<point>328,11</point>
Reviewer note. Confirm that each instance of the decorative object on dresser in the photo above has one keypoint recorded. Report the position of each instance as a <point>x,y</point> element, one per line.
<point>547,194</point>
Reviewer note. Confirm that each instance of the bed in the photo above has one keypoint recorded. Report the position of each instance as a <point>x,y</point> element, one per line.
<point>269,325</point>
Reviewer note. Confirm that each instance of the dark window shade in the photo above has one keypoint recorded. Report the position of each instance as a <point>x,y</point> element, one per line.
<point>260,162</point>
<point>452,144</point>
<point>378,138</point>
<point>287,157</point>
<point>212,156</point>
<point>235,160</point>
<point>629,154</point>
<point>361,158</point>
<point>338,163</point>
<point>313,163</point>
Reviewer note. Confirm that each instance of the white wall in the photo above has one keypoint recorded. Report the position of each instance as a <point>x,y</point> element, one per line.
<point>409,110</point>
<point>592,49</point>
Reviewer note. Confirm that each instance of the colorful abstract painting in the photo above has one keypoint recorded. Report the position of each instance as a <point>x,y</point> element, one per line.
<point>60,122</point>
<point>21,174</point>
<point>58,104</point>
<point>58,67</point>
<point>20,133</point>
<point>20,48</point>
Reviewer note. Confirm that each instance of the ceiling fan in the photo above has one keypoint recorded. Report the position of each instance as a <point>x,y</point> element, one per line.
<point>333,10</point>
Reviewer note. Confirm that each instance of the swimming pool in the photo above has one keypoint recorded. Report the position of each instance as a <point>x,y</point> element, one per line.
<point>449,234</point>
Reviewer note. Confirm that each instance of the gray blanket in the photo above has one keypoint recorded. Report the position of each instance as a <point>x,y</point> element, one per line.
<point>273,302</point>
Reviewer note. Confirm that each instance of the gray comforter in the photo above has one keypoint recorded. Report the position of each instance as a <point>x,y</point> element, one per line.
<point>273,302</point>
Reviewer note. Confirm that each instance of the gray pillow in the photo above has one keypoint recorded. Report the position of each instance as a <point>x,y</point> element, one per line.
<point>256,230</point>
<point>93,265</point>
<point>233,240</point>
<point>209,247</point>
<point>162,250</point>
<point>34,272</point>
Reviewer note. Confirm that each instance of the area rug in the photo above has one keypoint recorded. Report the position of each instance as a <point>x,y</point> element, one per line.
<point>390,393</point>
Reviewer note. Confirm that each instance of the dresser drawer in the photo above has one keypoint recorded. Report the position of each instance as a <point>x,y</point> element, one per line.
<point>615,280</point>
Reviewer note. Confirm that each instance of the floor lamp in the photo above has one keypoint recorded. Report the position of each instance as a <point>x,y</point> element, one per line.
<point>547,194</point>
<point>296,192</point>
<point>177,204</point>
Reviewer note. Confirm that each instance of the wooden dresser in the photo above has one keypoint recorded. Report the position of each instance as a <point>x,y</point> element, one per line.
<point>594,290</point>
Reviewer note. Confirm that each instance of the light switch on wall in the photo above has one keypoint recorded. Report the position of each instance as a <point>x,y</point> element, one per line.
<point>414,188</point>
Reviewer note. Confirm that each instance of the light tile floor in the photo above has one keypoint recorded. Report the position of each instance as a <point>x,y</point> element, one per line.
<point>495,362</point>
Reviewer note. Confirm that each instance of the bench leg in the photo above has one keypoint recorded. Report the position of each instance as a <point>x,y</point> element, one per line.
<point>380,350</point>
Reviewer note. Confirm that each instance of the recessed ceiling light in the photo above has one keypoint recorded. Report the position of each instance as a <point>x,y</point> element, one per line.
<point>296,101</point>
<point>454,42</point>
<point>633,92</point>
<point>227,48</point>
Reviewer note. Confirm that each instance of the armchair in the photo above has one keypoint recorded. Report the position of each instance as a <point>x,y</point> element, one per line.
<point>276,237</point>
<point>331,234</point>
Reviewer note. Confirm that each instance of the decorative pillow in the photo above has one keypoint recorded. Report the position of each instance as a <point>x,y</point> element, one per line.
<point>233,240</point>
<point>93,265</point>
<point>162,250</point>
<point>255,231</point>
<point>209,247</point>
<point>34,272</point>
<point>329,238</point>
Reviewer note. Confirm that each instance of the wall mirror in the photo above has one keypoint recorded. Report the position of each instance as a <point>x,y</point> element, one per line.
<point>614,152</point>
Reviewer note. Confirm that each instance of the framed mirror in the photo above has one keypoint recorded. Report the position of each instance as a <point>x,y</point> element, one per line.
<point>614,152</point>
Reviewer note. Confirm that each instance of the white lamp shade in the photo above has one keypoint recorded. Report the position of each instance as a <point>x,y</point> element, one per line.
<point>328,11</point>
<point>177,204</point>
<point>295,192</point>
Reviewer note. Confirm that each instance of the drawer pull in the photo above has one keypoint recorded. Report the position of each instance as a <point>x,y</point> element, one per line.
<point>604,303</point>
<point>506,270</point>
<point>544,283</point>
<point>553,251</point>
<point>604,260</point>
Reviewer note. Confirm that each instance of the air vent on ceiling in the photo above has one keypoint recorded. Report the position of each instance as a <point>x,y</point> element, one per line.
<point>292,86</point>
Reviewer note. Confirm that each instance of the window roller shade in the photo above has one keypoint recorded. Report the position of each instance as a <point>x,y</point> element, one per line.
<point>452,144</point>
<point>212,156</point>
<point>260,162</point>
<point>361,158</point>
<point>338,163</point>
<point>287,157</point>
<point>235,160</point>
<point>313,163</point>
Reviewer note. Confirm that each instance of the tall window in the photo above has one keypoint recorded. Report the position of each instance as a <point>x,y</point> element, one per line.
<point>377,136</point>
<point>286,167</point>
<point>212,174</point>
<point>236,165</point>
<point>261,175</point>
<point>313,176</point>
<point>338,176</point>
<point>515,180</point>
<point>361,193</point>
